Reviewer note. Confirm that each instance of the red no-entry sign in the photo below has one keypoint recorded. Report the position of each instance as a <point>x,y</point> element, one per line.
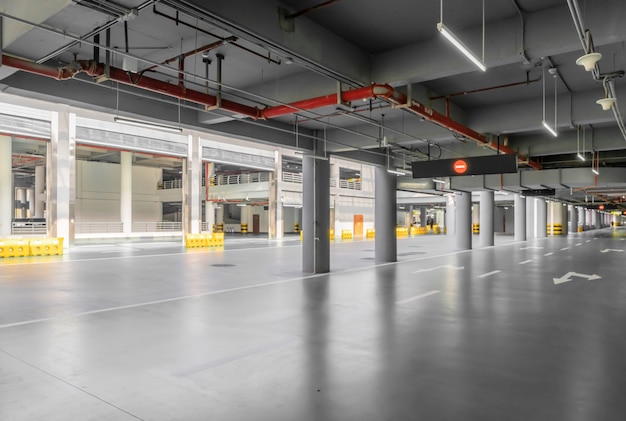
<point>460,166</point>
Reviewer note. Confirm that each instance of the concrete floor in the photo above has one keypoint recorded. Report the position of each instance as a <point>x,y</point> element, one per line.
<point>152,332</point>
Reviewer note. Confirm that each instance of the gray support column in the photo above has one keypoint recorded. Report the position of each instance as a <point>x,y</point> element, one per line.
<point>573,222</point>
<point>315,215</point>
<point>486,218</point>
<point>450,215</point>
<point>542,217</point>
<point>422,220</point>
<point>598,222</point>
<point>581,217</point>
<point>61,173</point>
<point>40,180</point>
<point>385,245</point>
<point>520,217</point>
<point>209,207</point>
<point>192,187</point>
<point>126,191</point>
<point>6,185</point>
<point>531,218</point>
<point>564,218</point>
<point>463,225</point>
<point>276,229</point>
<point>20,197</point>
<point>30,198</point>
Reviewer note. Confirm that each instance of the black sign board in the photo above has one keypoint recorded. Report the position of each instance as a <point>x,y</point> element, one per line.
<point>538,192</point>
<point>494,164</point>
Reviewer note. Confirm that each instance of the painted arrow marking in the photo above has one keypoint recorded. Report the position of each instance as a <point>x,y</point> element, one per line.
<point>548,254</point>
<point>568,277</point>
<point>532,247</point>
<point>608,250</point>
<point>440,267</point>
<point>565,248</point>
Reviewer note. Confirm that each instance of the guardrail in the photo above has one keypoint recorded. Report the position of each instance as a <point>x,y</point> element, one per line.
<point>157,226</point>
<point>292,177</point>
<point>224,180</point>
<point>98,227</point>
<point>28,228</point>
<point>352,185</point>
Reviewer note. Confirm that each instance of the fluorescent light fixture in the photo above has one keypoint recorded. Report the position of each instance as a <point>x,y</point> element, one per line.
<point>439,181</point>
<point>550,129</point>
<point>595,171</point>
<point>241,205</point>
<point>580,156</point>
<point>396,172</point>
<point>147,124</point>
<point>460,46</point>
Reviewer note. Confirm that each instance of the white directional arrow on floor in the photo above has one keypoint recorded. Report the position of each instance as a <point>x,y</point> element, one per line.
<point>440,267</point>
<point>608,250</point>
<point>532,247</point>
<point>568,277</point>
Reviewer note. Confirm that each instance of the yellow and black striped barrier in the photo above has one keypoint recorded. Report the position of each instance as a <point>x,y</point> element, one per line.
<point>204,240</point>
<point>296,227</point>
<point>370,233</point>
<point>555,229</point>
<point>346,234</point>
<point>402,232</point>
<point>218,227</point>
<point>475,228</point>
<point>244,228</point>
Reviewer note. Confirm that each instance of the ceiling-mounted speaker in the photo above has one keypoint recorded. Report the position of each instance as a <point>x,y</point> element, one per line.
<point>606,103</point>
<point>589,60</point>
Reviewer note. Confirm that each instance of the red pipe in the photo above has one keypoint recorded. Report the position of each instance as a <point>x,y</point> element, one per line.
<point>367,92</point>
<point>373,91</point>
<point>448,123</point>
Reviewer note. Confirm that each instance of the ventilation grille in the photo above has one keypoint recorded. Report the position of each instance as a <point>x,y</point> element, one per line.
<point>10,124</point>
<point>130,142</point>
<point>238,158</point>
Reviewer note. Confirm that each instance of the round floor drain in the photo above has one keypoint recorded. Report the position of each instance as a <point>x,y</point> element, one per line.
<point>222,265</point>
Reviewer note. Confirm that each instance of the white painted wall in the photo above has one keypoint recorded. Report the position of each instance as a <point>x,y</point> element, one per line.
<point>345,209</point>
<point>98,193</point>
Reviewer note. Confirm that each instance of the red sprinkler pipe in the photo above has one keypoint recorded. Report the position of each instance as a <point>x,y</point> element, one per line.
<point>373,91</point>
<point>444,121</point>
<point>367,92</point>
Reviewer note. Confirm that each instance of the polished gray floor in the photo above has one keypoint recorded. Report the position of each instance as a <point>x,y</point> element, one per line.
<point>520,331</point>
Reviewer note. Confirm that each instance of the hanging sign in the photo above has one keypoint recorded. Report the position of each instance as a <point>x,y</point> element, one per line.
<point>494,164</point>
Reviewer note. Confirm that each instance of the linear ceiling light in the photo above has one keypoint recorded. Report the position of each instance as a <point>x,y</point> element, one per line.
<point>545,124</point>
<point>580,155</point>
<point>396,172</point>
<point>147,124</point>
<point>439,181</point>
<point>446,32</point>
<point>460,46</point>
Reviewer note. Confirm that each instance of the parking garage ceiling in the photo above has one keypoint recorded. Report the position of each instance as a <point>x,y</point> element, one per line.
<point>274,53</point>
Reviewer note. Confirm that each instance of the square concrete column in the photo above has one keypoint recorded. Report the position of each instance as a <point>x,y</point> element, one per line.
<point>486,218</point>
<point>450,215</point>
<point>315,215</point>
<point>573,221</point>
<point>126,191</point>
<point>61,174</point>
<point>192,187</point>
<point>385,245</point>
<point>276,219</point>
<point>542,217</point>
<point>6,185</point>
<point>40,183</point>
<point>520,217</point>
<point>463,224</point>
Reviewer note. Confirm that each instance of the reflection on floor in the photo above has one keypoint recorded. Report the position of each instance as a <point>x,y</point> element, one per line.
<point>520,331</point>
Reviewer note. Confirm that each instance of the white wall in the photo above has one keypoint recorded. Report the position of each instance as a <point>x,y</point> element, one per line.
<point>345,209</point>
<point>98,193</point>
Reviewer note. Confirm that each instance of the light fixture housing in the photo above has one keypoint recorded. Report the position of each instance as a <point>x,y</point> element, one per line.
<point>588,61</point>
<point>595,171</point>
<point>439,181</point>
<point>606,103</point>
<point>396,172</point>
<point>147,124</point>
<point>460,46</point>
<point>580,156</point>
<point>552,131</point>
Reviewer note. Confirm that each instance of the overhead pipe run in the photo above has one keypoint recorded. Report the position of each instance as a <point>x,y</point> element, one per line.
<point>382,91</point>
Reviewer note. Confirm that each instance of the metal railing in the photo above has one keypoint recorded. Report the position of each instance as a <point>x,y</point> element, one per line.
<point>224,180</point>
<point>98,227</point>
<point>159,226</point>
<point>118,227</point>
<point>28,228</point>
<point>171,184</point>
<point>352,185</point>
<point>292,177</point>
